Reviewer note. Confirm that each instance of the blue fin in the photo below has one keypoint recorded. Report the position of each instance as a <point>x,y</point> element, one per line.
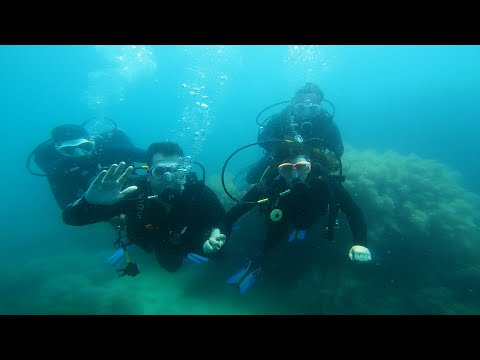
<point>239,274</point>
<point>115,258</point>
<point>301,234</point>
<point>197,258</point>
<point>249,280</point>
<point>292,235</point>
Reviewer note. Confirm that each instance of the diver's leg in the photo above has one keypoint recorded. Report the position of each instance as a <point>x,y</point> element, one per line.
<point>275,233</point>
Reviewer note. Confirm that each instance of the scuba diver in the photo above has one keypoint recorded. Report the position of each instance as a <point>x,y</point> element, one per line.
<point>303,118</point>
<point>168,212</point>
<point>72,158</point>
<point>303,185</point>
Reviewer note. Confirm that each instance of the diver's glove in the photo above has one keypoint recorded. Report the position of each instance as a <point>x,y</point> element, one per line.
<point>359,253</point>
<point>214,243</point>
<point>106,189</point>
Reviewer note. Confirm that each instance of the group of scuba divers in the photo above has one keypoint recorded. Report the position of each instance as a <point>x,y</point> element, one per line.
<point>164,208</point>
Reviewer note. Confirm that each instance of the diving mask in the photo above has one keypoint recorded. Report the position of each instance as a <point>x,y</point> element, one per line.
<point>301,167</point>
<point>167,172</point>
<point>307,110</point>
<point>76,147</point>
<point>307,105</point>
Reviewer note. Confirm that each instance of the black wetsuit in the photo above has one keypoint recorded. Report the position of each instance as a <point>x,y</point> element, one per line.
<point>300,209</point>
<point>69,178</point>
<point>279,127</point>
<point>320,126</point>
<point>170,235</point>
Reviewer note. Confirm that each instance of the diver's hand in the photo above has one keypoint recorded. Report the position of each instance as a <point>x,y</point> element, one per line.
<point>359,253</point>
<point>214,243</point>
<point>106,189</point>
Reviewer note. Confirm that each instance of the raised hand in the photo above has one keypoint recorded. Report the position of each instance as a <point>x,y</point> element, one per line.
<point>106,189</point>
<point>359,253</point>
<point>214,243</point>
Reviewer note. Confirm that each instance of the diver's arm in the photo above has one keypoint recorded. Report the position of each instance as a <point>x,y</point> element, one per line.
<point>355,216</point>
<point>256,193</point>
<point>102,199</point>
<point>63,192</point>
<point>51,162</point>
<point>213,211</point>
<point>81,212</point>
<point>223,230</point>
<point>334,139</point>
<point>338,143</point>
